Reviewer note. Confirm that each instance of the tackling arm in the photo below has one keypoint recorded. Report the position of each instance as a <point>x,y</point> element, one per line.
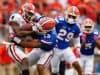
<point>31,43</point>
<point>35,43</point>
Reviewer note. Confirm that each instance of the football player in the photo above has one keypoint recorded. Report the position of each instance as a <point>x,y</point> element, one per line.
<point>89,40</point>
<point>17,21</point>
<point>66,30</point>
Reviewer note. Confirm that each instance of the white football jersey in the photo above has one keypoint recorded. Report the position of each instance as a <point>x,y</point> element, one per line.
<point>16,17</point>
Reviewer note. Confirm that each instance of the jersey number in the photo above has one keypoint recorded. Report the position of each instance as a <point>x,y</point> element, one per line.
<point>88,45</point>
<point>63,35</point>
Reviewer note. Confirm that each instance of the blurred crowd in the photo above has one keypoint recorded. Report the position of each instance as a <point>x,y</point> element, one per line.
<point>88,8</point>
<point>51,8</point>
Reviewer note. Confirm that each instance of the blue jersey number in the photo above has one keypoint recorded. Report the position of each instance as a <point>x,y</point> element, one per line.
<point>47,36</point>
<point>64,35</point>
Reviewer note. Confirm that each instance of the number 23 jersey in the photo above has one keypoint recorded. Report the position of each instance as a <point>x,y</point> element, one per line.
<point>65,32</point>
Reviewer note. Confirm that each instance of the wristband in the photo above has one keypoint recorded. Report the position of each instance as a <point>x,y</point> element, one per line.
<point>17,40</point>
<point>34,28</point>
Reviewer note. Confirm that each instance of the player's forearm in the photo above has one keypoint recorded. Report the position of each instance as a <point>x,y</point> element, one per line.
<point>24,33</point>
<point>30,44</point>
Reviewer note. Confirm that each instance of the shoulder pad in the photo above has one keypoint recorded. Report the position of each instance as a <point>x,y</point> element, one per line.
<point>96,33</point>
<point>15,17</point>
<point>59,18</point>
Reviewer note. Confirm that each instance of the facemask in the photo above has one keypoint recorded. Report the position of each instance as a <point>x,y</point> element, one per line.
<point>71,20</point>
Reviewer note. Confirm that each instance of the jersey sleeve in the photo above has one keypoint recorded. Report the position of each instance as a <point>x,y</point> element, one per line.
<point>96,35</point>
<point>59,19</point>
<point>77,30</point>
<point>14,18</point>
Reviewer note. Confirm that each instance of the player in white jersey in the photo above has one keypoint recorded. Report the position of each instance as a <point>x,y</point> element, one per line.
<point>16,21</point>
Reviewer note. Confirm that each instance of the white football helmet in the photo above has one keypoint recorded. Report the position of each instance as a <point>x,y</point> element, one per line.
<point>88,26</point>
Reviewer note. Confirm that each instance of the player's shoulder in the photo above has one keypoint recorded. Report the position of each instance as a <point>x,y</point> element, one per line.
<point>77,25</point>
<point>96,33</point>
<point>76,28</point>
<point>59,19</point>
<point>15,17</point>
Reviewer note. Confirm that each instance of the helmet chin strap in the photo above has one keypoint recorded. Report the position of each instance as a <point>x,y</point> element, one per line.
<point>88,31</point>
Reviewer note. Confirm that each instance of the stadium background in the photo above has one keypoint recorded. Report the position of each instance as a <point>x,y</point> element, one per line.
<point>88,8</point>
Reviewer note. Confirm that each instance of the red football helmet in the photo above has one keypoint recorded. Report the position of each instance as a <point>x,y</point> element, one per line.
<point>88,26</point>
<point>27,10</point>
<point>46,24</point>
<point>72,13</point>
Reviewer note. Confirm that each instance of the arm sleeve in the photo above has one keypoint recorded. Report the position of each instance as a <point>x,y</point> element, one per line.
<point>77,30</point>
<point>77,42</point>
